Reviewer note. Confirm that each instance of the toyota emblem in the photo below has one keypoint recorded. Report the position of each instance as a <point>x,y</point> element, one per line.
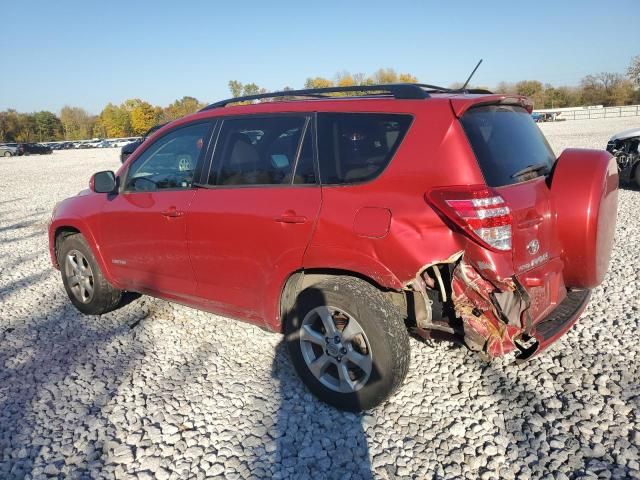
<point>533,246</point>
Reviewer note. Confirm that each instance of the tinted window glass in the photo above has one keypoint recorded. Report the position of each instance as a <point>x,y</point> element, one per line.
<point>509,146</point>
<point>169,162</point>
<point>355,147</point>
<point>257,151</point>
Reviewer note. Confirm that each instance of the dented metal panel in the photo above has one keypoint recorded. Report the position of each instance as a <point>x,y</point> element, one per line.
<point>494,311</point>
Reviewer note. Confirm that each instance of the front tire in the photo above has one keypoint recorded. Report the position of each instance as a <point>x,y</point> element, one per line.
<point>348,343</point>
<point>7,154</point>
<point>83,280</point>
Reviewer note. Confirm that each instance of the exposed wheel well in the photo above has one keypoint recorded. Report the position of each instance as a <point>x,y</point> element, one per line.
<point>302,279</point>
<point>61,234</point>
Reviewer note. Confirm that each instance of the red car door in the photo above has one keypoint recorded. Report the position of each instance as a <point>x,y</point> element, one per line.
<point>249,229</point>
<point>143,227</point>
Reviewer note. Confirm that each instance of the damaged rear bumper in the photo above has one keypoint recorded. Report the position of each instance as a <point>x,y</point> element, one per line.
<point>500,316</point>
<point>557,323</point>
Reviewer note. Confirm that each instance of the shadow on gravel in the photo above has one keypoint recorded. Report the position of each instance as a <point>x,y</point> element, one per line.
<point>547,431</point>
<point>22,238</point>
<point>313,439</point>
<point>58,369</point>
<point>16,226</point>
<point>21,283</point>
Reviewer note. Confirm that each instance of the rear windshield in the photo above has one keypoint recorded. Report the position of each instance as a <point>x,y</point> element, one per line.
<point>509,146</point>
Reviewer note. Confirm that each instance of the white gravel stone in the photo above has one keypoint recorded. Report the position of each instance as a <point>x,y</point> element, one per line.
<point>156,390</point>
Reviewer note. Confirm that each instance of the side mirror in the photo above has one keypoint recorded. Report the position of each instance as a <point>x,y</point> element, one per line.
<point>103,182</point>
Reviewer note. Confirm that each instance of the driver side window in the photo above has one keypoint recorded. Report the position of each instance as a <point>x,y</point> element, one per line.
<point>170,162</point>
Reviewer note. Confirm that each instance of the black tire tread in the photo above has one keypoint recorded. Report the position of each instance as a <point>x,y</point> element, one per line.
<point>394,333</point>
<point>106,298</point>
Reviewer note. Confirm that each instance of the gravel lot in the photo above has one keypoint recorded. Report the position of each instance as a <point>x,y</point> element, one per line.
<point>156,390</point>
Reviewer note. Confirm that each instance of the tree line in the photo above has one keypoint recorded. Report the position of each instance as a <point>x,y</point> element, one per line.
<point>134,117</point>
<point>131,118</point>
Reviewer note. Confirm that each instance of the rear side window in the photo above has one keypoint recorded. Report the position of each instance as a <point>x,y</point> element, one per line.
<point>509,146</point>
<point>356,147</point>
<point>259,150</point>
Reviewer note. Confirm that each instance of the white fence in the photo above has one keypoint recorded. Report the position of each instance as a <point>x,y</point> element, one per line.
<point>586,113</point>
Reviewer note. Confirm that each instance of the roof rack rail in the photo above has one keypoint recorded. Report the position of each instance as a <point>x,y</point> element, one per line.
<point>401,91</point>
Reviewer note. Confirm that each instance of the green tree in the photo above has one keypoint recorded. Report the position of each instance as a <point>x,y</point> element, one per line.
<point>27,130</point>
<point>532,89</point>
<point>77,124</point>
<point>236,88</point>
<point>47,126</point>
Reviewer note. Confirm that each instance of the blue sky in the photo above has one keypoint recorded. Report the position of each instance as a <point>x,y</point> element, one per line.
<point>87,53</point>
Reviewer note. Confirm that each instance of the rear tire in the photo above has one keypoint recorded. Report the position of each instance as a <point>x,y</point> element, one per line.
<point>360,363</point>
<point>83,280</point>
<point>7,154</point>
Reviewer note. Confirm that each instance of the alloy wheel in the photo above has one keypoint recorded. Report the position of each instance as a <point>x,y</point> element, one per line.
<point>335,349</point>
<point>79,276</point>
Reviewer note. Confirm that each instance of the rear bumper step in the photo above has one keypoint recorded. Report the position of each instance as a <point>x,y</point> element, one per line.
<point>552,327</point>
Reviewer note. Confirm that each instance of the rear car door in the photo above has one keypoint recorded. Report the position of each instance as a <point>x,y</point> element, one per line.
<point>143,227</point>
<point>249,227</point>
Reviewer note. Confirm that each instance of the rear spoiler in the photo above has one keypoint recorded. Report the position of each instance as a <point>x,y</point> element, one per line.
<point>462,104</point>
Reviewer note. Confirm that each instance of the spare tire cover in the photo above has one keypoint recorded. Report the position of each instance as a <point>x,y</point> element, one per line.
<point>584,188</point>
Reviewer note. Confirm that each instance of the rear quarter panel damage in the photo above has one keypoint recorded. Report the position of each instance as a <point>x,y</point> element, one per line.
<point>491,312</point>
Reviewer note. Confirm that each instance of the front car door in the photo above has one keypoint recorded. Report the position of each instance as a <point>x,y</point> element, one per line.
<point>249,228</point>
<point>144,227</point>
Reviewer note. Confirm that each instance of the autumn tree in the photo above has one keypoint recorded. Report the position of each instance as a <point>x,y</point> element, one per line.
<point>633,72</point>
<point>318,82</point>
<point>115,121</point>
<point>606,89</point>
<point>9,125</point>
<point>384,75</point>
<point>407,78</point>
<point>344,79</point>
<point>143,116</point>
<point>180,108</point>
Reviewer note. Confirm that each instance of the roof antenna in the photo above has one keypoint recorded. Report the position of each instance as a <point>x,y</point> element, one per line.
<point>470,76</point>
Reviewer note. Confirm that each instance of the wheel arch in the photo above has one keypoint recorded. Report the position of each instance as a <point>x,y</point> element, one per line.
<point>59,235</point>
<point>62,229</point>
<point>305,278</point>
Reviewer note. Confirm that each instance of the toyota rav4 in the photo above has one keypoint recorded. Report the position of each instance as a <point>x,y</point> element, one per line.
<point>347,219</point>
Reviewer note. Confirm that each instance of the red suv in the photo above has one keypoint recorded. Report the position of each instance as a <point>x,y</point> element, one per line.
<point>347,222</point>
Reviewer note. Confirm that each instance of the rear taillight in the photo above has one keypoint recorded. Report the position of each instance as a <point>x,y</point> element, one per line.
<point>478,210</point>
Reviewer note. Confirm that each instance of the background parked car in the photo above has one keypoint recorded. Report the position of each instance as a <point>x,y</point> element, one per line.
<point>7,151</point>
<point>35,148</point>
<point>625,146</point>
<point>17,146</point>
<point>129,148</point>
